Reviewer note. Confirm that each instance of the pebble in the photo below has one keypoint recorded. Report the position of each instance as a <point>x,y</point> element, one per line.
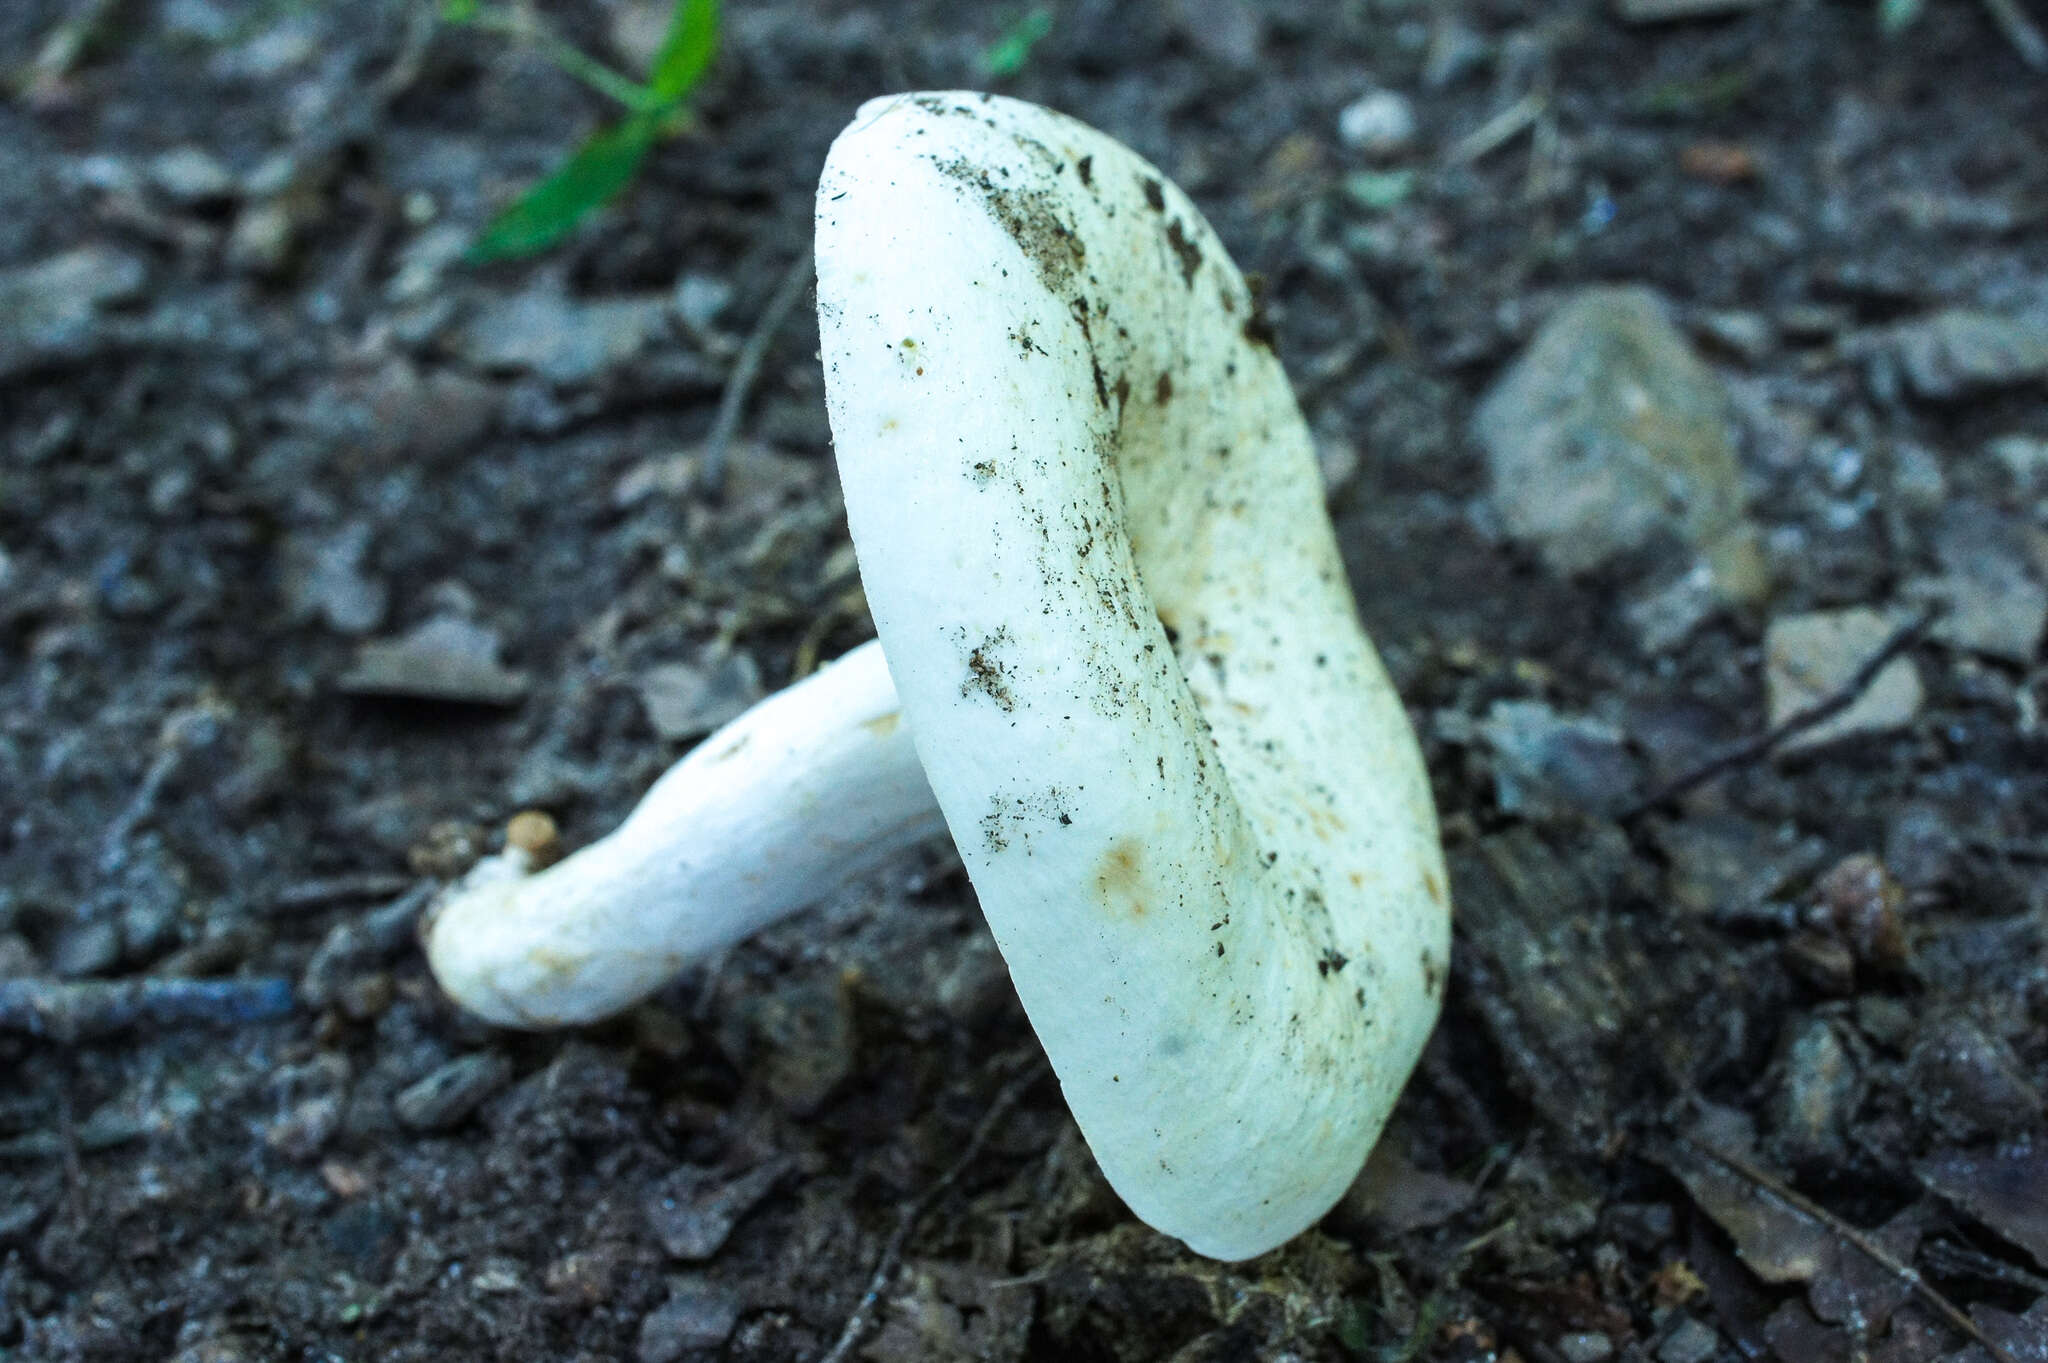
<point>1968,1083</point>
<point>1996,605</point>
<point>1608,433</point>
<point>1726,865</point>
<point>191,176</point>
<point>694,1210</point>
<point>1585,1347</point>
<point>684,701</point>
<point>1808,658</point>
<point>48,309</point>
<point>444,659</point>
<point>1816,1096</point>
<point>449,1094</point>
<point>2025,458</point>
<point>323,579</point>
<point>1958,352</point>
<point>1691,1342</point>
<point>545,332</point>
<point>1546,764</point>
<point>1381,123</point>
<point>697,1315</point>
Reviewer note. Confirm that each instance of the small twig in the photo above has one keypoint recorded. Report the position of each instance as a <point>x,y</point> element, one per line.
<point>1856,1239</point>
<point>914,1210</point>
<point>1498,130</point>
<point>310,894</point>
<point>1750,749</point>
<point>746,368</point>
<point>68,1011</point>
<point>2020,31</point>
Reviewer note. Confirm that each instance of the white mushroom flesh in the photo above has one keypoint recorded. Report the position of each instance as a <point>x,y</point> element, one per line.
<point>814,786</point>
<point>1092,536</point>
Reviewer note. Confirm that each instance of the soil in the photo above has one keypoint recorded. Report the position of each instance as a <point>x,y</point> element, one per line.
<point>1754,1072</point>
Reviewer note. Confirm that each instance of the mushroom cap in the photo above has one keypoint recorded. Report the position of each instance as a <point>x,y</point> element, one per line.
<point>1092,535</point>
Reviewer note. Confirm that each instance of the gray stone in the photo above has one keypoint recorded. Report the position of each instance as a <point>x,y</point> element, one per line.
<point>566,342</point>
<point>323,579</point>
<point>191,176</point>
<point>683,701</point>
<point>1691,1342</point>
<point>445,659</point>
<point>48,310</point>
<point>1808,658</point>
<point>1379,123</point>
<point>1995,604</point>
<point>697,1315</point>
<point>1958,352</point>
<point>1546,763</point>
<point>693,1211</point>
<point>1585,1347</point>
<point>1609,432</point>
<point>449,1094</point>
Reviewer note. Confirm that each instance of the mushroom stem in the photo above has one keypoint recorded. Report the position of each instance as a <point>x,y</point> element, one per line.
<point>806,791</point>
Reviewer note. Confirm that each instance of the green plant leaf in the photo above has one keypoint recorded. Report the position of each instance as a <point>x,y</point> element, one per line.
<point>458,11</point>
<point>1006,55</point>
<point>592,176</point>
<point>686,50</point>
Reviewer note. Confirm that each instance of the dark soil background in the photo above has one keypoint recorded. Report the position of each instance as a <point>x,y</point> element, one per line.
<point>1754,1072</point>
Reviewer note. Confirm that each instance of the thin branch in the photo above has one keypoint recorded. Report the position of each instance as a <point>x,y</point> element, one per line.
<point>81,1010</point>
<point>914,1210</point>
<point>1856,1239</point>
<point>739,384</point>
<point>2020,31</point>
<point>1751,749</point>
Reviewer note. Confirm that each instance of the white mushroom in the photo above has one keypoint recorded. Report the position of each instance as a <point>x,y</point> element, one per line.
<point>1093,541</point>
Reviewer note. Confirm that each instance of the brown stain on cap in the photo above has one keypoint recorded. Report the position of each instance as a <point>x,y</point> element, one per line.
<point>1120,877</point>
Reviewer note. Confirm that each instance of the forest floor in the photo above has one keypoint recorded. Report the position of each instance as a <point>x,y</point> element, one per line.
<point>1750,1070</point>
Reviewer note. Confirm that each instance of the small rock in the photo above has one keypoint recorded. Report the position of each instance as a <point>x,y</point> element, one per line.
<point>448,1095</point>
<point>48,310</point>
<point>1816,1096</point>
<point>798,1040</point>
<point>1666,615</point>
<point>1609,432</point>
<point>1955,353</point>
<point>306,1127</point>
<point>2025,458</point>
<point>697,1315</point>
<point>424,259</point>
<point>1995,604</point>
<point>1691,1342</point>
<point>1585,1347</point>
<point>1747,335</point>
<point>1808,658</point>
<point>323,578</point>
<point>191,176</point>
<point>263,237</point>
<point>684,702</point>
<point>566,342</point>
<point>700,300</point>
<point>444,659</point>
<point>1723,864</point>
<point>1381,123</point>
<point>1546,763</point>
<point>694,1210</point>
<point>1860,902</point>
<point>1967,1082</point>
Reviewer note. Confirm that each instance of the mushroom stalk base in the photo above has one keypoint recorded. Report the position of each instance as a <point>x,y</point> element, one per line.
<point>810,789</point>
